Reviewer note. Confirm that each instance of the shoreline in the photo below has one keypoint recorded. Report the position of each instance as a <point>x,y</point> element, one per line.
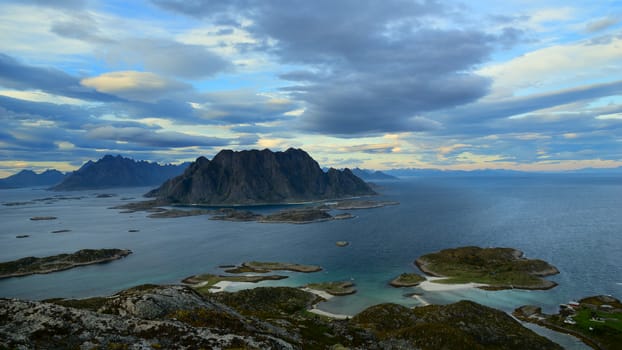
<point>430,286</point>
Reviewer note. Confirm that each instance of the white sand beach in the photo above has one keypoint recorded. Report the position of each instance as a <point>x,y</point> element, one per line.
<point>429,285</point>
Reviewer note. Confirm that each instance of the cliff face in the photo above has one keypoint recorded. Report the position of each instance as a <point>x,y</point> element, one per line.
<point>28,178</point>
<point>110,172</point>
<point>255,177</point>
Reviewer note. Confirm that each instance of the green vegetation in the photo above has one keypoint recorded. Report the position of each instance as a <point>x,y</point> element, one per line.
<point>597,320</point>
<point>500,268</point>
<point>334,288</point>
<point>264,267</point>
<point>298,216</point>
<point>32,265</point>
<point>407,280</point>
<point>268,302</point>
<point>205,283</point>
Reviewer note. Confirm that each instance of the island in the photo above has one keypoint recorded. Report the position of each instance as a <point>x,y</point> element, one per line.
<point>407,280</point>
<point>42,218</point>
<point>596,320</point>
<point>498,268</point>
<point>359,204</point>
<point>265,267</point>
<point>337,288</point>
<point>205,283</point>
<point>254,177</point>
<point>163,317</point>
<point>32,265</point>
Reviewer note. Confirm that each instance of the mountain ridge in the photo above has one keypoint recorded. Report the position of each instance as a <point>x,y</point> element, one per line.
<point>117,171</point>
<point>29,178</point>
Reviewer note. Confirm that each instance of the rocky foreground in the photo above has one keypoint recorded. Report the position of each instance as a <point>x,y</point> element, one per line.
<point>177,317</point>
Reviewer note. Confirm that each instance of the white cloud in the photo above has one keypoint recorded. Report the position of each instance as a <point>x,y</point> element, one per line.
<point>557,67</point>
<point>133,85</point>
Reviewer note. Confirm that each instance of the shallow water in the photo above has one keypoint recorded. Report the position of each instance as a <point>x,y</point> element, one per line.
<point>574,222</point>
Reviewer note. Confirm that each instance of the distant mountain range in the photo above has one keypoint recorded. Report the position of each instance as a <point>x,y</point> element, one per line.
<point>406,172</point>
<point>372,175</point>
<point>116,171</point>
<point>28,178</point>
<point>258,177</point>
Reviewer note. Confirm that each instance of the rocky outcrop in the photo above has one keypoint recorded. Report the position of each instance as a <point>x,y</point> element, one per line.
<point>28,178</point>
<point>149,317</point>
<point>111,172</point>
<point>258,177</point>
<point>176,317</point>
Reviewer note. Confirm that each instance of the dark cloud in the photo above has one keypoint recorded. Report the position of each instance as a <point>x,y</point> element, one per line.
<point>151,138</point>
<point>243,107</point>
<point>16,75</point>
<point>66,115</point>
<point>519,105</point>
<point>375,65</point>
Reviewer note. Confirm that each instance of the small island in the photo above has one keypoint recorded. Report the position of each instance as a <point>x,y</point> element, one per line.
<point>360,204</point>
<point>32,265</point>
<point>338,288</point>
<point>42,218</point>
<point>265,267</point>
<point>298,216</point>
<point>596,320</point>
<point>205,283</point>
<point>407,280</point>
<point>498,268</point>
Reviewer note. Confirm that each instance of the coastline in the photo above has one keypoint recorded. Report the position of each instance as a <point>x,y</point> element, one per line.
<point>430,286</point>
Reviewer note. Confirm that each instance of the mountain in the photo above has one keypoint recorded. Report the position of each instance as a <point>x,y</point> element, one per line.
<point>371,175</point>
<point>28,178</point>
<point>118,171</point>
<point>259,177</point>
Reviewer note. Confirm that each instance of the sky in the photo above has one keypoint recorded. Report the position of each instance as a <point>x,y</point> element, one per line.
<point>518,84</point>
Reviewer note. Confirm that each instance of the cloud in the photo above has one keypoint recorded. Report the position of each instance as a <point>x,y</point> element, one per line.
<point>16,75</point>
<point>168,57</point>
<point>556,65</point>
<point>371,73</point>
<point>602,24</point>
<point>243,107</point>
<point>153,138</point>
<point>133,85</point>
<point>506,108</point>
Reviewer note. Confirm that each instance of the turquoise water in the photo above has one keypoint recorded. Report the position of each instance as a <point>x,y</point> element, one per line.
<point>573,222</point>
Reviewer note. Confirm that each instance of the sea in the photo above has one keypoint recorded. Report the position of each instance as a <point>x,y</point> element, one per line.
<point>573,221</point>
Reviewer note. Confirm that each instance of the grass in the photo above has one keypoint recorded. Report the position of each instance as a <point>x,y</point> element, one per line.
<point>334,288</point>
<point>497,267</point>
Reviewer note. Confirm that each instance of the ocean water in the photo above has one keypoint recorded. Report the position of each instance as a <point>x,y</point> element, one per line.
<point>574,222</point>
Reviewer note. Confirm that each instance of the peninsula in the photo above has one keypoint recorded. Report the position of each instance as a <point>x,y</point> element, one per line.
<point>258,177</point>
<point>498,268</point>
<point>32,265</point>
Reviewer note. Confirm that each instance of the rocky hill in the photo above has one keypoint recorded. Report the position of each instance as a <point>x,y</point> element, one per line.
<point>177,317</point>
<point>28,178</point>
<point>111,172</point>
<point>259,177</point>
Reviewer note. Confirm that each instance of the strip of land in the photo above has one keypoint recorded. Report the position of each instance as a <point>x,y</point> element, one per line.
<point>33,265</point>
